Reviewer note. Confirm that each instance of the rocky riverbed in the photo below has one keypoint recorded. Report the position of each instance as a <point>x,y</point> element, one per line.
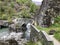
<point>13,39</point>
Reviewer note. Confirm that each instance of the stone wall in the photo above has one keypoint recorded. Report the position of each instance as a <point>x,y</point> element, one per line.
<point>18,26</point>
<point>42,36</point>
<point>45,39</point>
<point>34,36</point>
<point>21,21</point>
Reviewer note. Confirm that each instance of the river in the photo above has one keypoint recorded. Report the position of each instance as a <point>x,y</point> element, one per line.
<point>3,31</point>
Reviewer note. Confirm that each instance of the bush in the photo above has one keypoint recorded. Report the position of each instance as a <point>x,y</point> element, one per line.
<point>57,19</point>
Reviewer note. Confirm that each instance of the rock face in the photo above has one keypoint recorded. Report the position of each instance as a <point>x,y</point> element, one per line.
<point>45,12</point>
<point>13,39</point>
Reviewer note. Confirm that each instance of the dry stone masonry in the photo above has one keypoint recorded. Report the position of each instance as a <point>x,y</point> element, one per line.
<point>42,36</point>
<point>15,38</point>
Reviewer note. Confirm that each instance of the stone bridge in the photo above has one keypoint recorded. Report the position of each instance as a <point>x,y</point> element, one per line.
<point>22,21</point>
<point>19,24</point>
<point>37,35</point>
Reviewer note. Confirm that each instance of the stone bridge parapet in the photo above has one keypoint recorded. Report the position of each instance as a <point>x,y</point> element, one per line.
<point>42,36</point>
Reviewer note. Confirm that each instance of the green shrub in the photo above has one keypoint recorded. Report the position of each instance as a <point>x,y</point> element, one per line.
<point>57,19</point>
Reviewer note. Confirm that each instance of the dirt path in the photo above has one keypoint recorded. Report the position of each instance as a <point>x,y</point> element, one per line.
<point>56,42</point>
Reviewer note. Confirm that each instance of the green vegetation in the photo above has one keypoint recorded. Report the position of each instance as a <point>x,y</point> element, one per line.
<point>10,9</point>
<point>34,43</point>
<point>31,43</point>
<point>55,27</point>
<point>6,11</point>
<point>15,9</point>
<point>57,35</point>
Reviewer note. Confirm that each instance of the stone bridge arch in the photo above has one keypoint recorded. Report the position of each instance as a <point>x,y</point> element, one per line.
<point>21,24</point>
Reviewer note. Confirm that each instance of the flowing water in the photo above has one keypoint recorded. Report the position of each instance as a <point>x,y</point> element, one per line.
<point>28,31</point>
<point>3,31</point>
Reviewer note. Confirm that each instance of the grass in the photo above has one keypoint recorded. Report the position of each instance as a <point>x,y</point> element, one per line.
<point>57,35</point>
<point>34,43</point>
<point>55,27</point>
<point>31,43</point>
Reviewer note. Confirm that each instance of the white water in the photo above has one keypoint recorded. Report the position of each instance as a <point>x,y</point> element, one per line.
<point>12,35</point>
<point>5,32</point>
<point>27,33</point>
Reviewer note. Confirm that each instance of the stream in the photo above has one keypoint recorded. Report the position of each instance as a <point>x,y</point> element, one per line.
<point>3,31</point>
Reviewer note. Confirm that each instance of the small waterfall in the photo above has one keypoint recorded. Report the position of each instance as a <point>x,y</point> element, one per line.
<point>27,33</point>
